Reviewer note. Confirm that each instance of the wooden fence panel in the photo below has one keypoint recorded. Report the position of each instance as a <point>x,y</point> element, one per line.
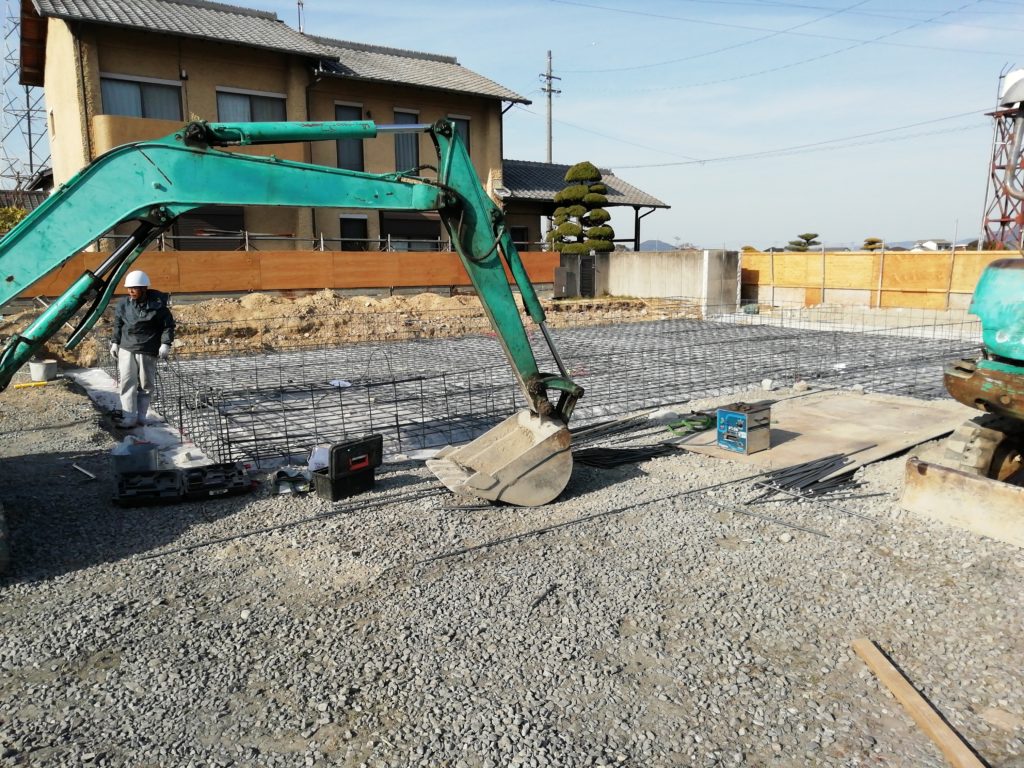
<point>852,270</point>
<point>295,270</point>
<point>243,271</point>
<point>913,272</point>
<point>968,266</point>
<point>798,270</point>
<point>217,272</point>
<point>925,280</point>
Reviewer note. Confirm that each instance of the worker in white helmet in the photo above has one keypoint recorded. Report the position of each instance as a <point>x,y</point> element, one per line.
<point>143,332</point>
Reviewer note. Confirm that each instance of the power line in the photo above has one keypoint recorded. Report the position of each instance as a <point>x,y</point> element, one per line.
<point>819,145</point>
<point>690,160</point>
<point>616,139</point>
<point>870,14</point>
<point>800,62</point>
<point>750,28</point>
<point>718,50</point>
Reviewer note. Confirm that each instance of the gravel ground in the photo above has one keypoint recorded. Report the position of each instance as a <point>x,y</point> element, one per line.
<point>652,626</point>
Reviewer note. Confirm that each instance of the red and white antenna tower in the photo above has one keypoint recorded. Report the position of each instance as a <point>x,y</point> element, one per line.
<point>1003,224</point>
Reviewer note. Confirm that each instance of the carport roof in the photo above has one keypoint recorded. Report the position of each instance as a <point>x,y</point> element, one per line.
<point>529,180</point>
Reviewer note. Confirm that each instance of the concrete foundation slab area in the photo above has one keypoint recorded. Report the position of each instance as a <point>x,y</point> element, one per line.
<point>424,393</point>
<point>865,427</point>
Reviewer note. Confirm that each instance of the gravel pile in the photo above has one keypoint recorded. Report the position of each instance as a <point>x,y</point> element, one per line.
<point>650,624</point>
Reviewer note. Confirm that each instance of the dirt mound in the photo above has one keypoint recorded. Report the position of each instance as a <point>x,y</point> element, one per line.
<point>261,321</point>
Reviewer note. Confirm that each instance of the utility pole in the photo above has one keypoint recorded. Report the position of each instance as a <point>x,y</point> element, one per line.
<point>549,90</point>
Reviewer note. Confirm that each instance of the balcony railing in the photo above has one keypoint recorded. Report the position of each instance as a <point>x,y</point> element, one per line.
<point>248,241</point>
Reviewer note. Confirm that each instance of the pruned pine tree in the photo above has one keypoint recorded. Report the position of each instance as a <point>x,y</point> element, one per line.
<point>580,221</point>
<point>9,217</point>
<point>873,244</point>
<point>803,242</point>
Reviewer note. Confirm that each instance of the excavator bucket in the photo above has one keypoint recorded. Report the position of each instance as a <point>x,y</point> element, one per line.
<point>526,460</point>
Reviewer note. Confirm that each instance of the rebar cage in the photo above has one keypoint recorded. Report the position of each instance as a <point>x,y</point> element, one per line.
<point>421,392</point>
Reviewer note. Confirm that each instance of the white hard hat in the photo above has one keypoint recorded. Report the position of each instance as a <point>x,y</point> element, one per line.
<point>137,279</point>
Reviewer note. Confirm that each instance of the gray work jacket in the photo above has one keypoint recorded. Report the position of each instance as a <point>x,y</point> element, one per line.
<point>142,326</point>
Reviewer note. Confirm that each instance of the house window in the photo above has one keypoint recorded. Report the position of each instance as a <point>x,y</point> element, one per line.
<point>140,98</point>
<point>250,107</point>
<point>211,228</point>
<point>462,128</point>
<point>350,151</point>
<point>411,231</point>
<point>354,235</point>
<point>407,145</point>
<point>520,237</point>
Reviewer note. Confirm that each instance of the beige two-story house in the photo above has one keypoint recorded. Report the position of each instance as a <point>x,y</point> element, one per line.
<point>127,70</point>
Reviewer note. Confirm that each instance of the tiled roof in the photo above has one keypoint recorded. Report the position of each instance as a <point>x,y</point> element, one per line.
<point>393,65</point>
<point>528,180</point>
<point>11,198</point>
<point>190,18</point>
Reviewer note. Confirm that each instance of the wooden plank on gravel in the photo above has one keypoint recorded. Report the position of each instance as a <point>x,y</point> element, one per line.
<point>957,751</point>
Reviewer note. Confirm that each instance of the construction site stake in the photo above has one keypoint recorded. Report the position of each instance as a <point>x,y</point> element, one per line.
<point>957,751</point>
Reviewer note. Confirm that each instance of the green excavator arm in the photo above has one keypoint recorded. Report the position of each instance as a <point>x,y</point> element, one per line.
<point>154,182</point>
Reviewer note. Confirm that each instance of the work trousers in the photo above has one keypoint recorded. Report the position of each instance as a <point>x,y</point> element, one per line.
<point>137,374</point>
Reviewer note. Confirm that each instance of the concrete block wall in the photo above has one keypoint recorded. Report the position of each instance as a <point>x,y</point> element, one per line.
<point>713,276</point>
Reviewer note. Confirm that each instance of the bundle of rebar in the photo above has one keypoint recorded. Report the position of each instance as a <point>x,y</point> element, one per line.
<point>812,478</point>
<point>607,458</point>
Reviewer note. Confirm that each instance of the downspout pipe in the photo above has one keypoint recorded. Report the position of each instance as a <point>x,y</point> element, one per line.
<point>316,77</point>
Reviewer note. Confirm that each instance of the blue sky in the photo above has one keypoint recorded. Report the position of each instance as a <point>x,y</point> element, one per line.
<point>650,88</point>
<point>861,118</point>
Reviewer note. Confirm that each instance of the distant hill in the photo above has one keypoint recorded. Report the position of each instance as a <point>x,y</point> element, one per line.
<point>656,245</point>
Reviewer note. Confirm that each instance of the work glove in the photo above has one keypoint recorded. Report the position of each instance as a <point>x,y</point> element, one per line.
<point>114,349</point>
<point>165,350</point>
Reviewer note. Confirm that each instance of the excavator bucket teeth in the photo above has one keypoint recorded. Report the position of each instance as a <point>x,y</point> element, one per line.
<point>526,460</point>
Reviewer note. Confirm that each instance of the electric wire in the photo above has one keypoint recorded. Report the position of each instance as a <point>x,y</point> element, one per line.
<point>750,28</point>
<point>717,50</point>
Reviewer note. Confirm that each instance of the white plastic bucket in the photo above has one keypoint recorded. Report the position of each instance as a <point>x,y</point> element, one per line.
<point>42,370</point>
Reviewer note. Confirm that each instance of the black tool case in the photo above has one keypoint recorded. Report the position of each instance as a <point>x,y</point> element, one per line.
<point>350,468</point>
<point>152,487</point>
<point>215,480</point>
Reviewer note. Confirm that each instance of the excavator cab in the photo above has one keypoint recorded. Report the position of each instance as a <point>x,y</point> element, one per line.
<point>524,460</point>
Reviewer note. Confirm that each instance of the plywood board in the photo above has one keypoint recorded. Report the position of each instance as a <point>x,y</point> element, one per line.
<point>917,271</point>
<point>874,426</point>
<point>968,266</point>
<point>797,270</point>
<point>851,270</point>
<point>913,300</point>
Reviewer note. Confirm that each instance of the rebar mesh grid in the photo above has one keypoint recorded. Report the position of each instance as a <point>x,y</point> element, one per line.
<point>426,392</point>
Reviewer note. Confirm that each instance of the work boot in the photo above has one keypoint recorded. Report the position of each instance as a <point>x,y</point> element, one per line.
<point>126,421</point>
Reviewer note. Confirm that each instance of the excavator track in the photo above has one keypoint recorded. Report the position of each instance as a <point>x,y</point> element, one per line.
<point>989,446</point>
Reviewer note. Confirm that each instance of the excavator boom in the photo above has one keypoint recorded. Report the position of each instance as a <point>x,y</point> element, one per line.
<point>154,182</point>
